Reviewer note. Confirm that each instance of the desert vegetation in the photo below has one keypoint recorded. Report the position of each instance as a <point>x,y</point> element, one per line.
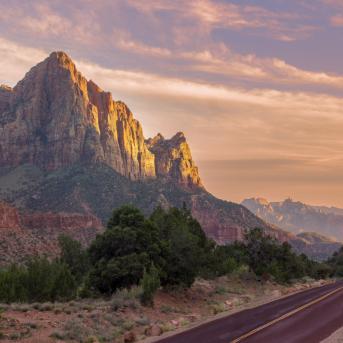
<point>167,249</point>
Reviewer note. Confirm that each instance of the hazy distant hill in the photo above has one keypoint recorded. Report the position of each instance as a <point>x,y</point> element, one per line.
<point>298,217</point>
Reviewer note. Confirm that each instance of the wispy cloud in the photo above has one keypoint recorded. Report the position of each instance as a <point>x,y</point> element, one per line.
<point>124,41</point>
<point>209,14</point>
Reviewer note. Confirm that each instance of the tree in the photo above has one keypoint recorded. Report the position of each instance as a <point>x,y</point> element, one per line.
<point>74,256</point>
<point>184,246</point>
<point>119,255</point>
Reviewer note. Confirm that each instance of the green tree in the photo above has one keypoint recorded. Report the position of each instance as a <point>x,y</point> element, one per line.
<point>119,255</point>
<point>185,247</point>
<point>74,256</point>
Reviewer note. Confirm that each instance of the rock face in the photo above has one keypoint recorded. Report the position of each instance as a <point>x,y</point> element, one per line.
<point>9,217</point>
<point>54,117</point>
<point>227,224</point>
<point>31,234</point>
<point>173,159</point>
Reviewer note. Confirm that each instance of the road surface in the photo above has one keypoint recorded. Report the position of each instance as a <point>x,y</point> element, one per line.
<point>310,325</point>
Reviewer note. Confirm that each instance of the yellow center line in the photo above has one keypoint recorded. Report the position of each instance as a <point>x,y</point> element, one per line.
<point>287,315</point>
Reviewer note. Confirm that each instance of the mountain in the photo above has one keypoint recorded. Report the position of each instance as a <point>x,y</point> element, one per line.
<point>54,117</point>
<point>318,230</point>
<point>298,217</point>
<point>68,150</point>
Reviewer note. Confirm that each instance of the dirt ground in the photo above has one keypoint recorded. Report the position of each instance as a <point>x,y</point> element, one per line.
<point>122,319</point>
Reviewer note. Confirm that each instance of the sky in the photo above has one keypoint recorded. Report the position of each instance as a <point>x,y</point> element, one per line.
<point>256,86</point>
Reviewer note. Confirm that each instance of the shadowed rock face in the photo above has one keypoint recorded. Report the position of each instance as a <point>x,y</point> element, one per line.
<point>54,117</point>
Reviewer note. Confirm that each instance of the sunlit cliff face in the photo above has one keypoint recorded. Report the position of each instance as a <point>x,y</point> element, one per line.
<point>255,87</point>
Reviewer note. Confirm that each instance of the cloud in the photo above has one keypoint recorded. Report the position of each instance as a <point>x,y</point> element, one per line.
<point>333,3</point>
<point>208,15</point>
<point>125,42</point>
<point>337,20</point>
<point>16,60</point>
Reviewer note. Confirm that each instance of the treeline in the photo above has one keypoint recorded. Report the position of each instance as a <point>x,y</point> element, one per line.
<point>336,263</point>
<point>166,249</point>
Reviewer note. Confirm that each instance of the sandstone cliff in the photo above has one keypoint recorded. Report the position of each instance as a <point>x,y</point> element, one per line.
<point>173,159</point>
<point>29,234</point>
<point>54,117</point>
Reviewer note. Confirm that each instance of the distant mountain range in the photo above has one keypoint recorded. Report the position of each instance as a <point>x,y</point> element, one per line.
<point>70,154</point>
<point>297,217</point>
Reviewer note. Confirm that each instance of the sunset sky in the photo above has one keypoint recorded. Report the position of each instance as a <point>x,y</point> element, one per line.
<point>255,85</point>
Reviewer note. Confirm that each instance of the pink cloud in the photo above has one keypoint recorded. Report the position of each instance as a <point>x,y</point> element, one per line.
<point>209,14</point>
<point>337,20</point>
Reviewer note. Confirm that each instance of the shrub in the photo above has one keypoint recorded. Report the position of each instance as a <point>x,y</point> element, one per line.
<point>39,280</point>
<point>150,284</point>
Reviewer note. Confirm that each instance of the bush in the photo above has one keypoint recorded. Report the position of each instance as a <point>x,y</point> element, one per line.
<point>150,284</point>
<point>40,280</point>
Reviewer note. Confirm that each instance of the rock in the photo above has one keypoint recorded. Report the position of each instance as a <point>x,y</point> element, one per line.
<point>153,330</point>
<point>173,159</point>
<point>276,293</point>
<point>29,234</point>
<point>175,322</point>
<point>129,337</point>
<point>316,284</point>
<point>9,217</point>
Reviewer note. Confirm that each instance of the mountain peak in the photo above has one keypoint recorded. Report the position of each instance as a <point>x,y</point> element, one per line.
<point>60,56</point>
<point>56,117</point>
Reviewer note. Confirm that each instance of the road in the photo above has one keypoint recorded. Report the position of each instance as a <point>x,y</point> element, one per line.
<point>309,325</point>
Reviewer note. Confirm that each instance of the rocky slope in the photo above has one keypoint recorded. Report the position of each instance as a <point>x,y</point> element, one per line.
<point>30,234</point>
<point>73,154</point>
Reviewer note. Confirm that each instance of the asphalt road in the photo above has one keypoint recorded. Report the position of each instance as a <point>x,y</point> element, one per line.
<point>310,325</point>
